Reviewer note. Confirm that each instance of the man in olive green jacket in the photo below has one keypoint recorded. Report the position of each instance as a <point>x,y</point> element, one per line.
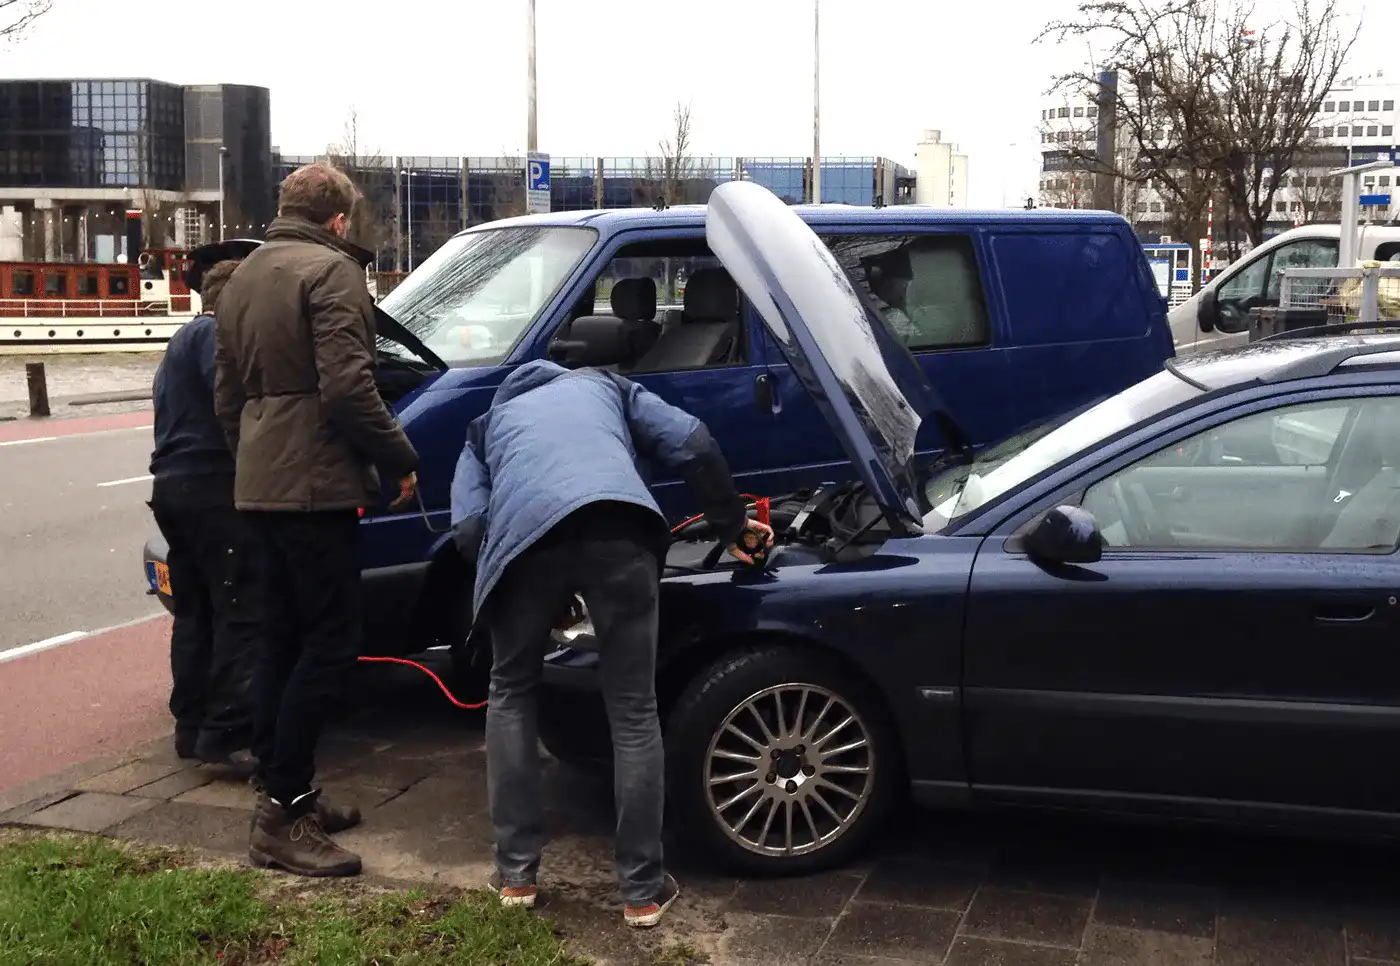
<point>295,394</point>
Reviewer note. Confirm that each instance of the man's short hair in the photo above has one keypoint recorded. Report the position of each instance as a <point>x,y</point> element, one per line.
<point>317,192</point>
<point>213,283</point>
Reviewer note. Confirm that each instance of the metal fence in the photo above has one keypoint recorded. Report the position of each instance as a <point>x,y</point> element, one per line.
<point>1367,293</point>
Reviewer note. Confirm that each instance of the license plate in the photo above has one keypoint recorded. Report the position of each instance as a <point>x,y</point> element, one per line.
<point>162,578</point>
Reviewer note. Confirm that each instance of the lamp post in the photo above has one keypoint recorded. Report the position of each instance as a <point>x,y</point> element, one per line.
<point>531,128</point>
<point>408,172</point>
<point>223,154</point>
<point>816,101</point>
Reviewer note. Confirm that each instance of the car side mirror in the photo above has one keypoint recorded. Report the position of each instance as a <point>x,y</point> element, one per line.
<point>1064,535</point>
<point>1209,312</point>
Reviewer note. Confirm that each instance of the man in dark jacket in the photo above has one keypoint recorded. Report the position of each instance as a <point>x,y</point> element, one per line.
<point>548,502</point>
<point>214,634</point>
<point>295,392</point>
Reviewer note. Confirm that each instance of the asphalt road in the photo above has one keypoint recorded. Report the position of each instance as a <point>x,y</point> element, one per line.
<point>72,545</point>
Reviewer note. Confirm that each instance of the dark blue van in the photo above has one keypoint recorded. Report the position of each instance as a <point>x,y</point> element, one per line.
<point>1014,315</point>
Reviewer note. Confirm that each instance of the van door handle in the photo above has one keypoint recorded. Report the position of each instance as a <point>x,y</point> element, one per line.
<point>1343,613</point>
<point>764,396</point>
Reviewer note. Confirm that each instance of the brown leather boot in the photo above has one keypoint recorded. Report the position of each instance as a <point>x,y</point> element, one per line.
<point>334,818</point>
<point>296,843</point>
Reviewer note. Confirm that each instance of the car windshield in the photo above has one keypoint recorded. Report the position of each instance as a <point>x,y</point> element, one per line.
<point>473,299</point>
<point>955,491</point>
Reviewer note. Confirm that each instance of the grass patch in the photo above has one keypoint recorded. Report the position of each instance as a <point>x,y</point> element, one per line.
<point>87,902</point>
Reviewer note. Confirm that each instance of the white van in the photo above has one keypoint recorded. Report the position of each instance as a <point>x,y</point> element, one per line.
<point>1218,315</point>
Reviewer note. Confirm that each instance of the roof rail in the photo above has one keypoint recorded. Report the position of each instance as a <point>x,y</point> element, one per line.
<point>1323,363</point>
<point>1339,328</point>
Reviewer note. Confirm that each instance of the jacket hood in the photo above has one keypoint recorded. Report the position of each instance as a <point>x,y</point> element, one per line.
<point>288,228</point>
<point>531,375</point>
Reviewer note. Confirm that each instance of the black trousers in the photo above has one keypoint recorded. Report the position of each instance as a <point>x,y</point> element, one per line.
<point>309,602</point>
<point>216,630</point>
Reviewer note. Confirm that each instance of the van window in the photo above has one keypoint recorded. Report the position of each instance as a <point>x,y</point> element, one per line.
<point>1308,253</point>
<point>925,288</point>
<point>1072,286</point>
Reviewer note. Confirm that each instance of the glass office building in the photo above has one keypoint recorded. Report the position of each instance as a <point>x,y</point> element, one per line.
<point>76,155</point>
<point>416,203</point>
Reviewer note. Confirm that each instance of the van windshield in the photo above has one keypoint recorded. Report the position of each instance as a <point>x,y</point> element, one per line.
<point>478,294</point>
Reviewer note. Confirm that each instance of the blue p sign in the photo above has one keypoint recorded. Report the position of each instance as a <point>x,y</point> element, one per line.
<point>539,176</point>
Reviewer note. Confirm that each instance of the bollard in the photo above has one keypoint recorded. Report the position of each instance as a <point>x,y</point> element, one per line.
<point>38,389</point>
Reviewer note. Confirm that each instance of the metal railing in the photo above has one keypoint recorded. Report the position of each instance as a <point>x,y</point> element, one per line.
<point>82,308</point>
<point>1368,293</point>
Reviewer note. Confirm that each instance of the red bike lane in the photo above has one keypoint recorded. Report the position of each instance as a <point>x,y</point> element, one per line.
<point>34,430</point>
<point>91,697</point>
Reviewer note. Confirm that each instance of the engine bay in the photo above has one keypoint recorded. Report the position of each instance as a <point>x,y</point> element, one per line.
<point>834,522</point>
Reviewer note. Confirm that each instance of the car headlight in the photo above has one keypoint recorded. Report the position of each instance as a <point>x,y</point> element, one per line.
<point>575,629</point>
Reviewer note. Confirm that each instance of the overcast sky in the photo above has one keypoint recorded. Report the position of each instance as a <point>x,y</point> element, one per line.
<point>447,77</point>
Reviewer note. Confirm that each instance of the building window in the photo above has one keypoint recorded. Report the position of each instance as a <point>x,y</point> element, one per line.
<point>1280,206</point>
<point>1372,130</point>
<point>1330,106</point>
<point>1373,105</point>
<point>926,288</point>
<point>1314,131</point>
<point>1357,131</point>
<point>87,285</point>
<point>1327,132</point>
<point>1064,112</point>
<point>1385,181</point>
<point>56,284</point>
<point>1062,136</point>
<point>1142,207</point>
<point>1388,106</point>
<point>1344,106</point>
<point>1156,207</point>
<point>1079,112</point>
<point>1387,130</point>
<point>1092,111</point>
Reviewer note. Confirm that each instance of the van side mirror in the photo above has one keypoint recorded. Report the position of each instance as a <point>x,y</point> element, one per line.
<point>1209,312</point>
<point>602,340</point>
<point>1064,535</point>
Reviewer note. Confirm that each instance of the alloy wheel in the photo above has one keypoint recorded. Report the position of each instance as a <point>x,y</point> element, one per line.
<point>789,770</point>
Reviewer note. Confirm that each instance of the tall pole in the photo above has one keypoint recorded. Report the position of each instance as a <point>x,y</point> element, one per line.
<point>531,128</point>
<point>223,153</point>
<point>409,172</point>
<point>816,101</point>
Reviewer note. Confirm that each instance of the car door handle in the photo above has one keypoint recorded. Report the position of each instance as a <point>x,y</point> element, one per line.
<point>764,395</point>
<point>1343,613</point>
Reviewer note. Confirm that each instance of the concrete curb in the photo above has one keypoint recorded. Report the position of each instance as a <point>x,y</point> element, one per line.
<point>97,398</point>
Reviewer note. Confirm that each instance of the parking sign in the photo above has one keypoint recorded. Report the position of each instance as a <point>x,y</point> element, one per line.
<point>537,182</point>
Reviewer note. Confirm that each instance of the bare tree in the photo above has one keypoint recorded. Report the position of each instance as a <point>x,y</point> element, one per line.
<point>1319,197</point>
<point>372,225</point>
<point>1210,105</point>
<point>1272,84</point>
<point>437,228</point>
<point>676,164</point>
<point>157,219</point>
<point>1161,95</point>
<point>17,15</point>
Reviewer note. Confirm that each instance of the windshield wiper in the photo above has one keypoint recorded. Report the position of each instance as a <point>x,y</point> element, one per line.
<point>392,329</point>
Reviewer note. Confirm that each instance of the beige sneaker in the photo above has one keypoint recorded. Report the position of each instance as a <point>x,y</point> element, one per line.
<point>522,896</point>
<point>649,914</point>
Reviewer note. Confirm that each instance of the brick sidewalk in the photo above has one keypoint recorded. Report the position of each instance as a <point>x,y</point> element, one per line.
<point>942,888</point>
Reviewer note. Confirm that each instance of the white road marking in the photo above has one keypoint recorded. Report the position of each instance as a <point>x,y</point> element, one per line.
<point>43,645</point>
<point>129,479</point>
<point>92,432</point>
<point>59,640</point>
<point>21,442</point>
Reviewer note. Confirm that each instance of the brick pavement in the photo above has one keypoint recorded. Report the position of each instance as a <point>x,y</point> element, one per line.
<point>998,891</point>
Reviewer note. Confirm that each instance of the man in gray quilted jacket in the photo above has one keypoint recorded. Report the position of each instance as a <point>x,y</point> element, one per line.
<point>548,501</point>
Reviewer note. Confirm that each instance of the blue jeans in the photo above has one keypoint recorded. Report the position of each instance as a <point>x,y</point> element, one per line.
<point>616,573</point>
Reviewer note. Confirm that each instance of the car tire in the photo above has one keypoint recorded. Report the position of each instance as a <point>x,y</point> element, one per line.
<point>764,680</point>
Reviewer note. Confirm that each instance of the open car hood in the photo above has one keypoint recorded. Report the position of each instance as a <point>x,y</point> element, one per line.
<point>866,383</point>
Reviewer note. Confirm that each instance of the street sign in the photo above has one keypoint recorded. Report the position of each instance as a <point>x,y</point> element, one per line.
<point>537,183</point>
<point>1380,201</point>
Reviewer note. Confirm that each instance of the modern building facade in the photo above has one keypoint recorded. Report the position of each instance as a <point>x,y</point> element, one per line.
<point>415,203</point>
<point>77,155</point>
<point>1358,122</point>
